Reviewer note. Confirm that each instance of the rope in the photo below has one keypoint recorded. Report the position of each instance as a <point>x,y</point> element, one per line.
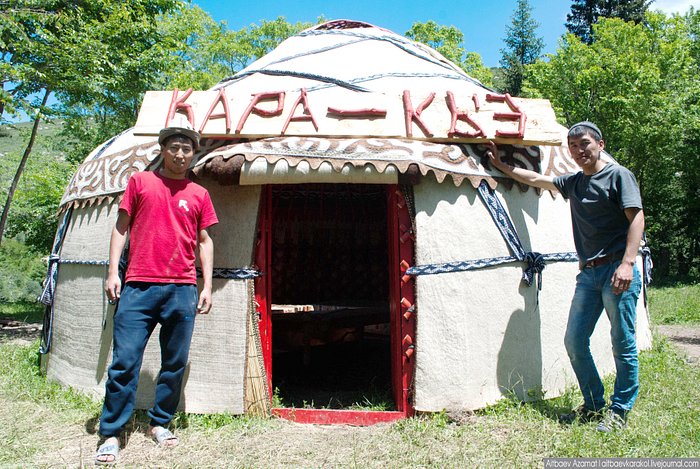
<point>402,43</point>
<point>82,262</point>
<point>235,274</point>
<point>47,295</point>
<point>313,52</point>
<point>535,266</point>
<point>538,261</point>
<point>109,143</point>
<point>647,264</point>
<point>502,220</point>
<point>219,272</point>
<point>459,266</point>
<point>535,262</point>
<point>310,76</point>
<point>406,45</point>
<point>397,75</point>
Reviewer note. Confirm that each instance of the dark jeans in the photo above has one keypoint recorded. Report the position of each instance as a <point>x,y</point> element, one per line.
<point>141,307</point>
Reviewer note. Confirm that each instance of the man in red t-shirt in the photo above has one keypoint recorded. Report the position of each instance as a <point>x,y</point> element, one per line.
<point>166,216</point>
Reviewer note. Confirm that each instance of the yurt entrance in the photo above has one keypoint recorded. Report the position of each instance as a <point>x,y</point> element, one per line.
<point>332,334</point>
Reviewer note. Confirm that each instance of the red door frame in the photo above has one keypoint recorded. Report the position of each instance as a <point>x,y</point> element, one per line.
<point>263,286</point>
<point>401,305</point>
<point>401,298</point>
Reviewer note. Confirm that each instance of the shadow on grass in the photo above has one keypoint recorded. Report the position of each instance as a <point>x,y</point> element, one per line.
<point>25,311</point>
<point>138,423</point>
<point>550,409</point>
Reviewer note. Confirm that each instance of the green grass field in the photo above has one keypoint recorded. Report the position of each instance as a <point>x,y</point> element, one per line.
<point>40,420</point>
<point>675,305</point>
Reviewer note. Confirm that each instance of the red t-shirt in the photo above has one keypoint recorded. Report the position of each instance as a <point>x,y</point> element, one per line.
<point>166,217</point>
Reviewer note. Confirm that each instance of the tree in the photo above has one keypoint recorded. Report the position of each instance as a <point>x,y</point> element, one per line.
<point>640,84</point>
<point>102,56</point>
<point>88,53</point>
<point>449,41</point>
<point>585,13</point>
<point>36,201</point>
<point>523,47</point>
<point>205,52</point>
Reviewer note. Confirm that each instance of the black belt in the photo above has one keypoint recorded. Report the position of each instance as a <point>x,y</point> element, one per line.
<point>607,259</point>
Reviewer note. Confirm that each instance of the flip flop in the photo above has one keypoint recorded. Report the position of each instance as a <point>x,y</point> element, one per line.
<point>164,437</point>
<point>107,449</point>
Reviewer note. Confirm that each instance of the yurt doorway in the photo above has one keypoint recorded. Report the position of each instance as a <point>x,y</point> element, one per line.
<point>331,326</point>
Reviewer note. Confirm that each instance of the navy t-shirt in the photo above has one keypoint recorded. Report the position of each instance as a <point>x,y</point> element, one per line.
<point>597,208</point>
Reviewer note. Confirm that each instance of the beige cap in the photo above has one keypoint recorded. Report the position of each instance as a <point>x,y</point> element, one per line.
<point>180,125</point>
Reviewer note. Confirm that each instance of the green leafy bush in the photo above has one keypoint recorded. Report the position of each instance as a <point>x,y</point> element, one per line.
<point>21,272</point>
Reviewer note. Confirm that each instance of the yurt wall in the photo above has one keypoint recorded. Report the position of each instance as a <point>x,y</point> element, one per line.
<point>81,350</point>
<point>215,382</point>
<point>481,334</point>
<point>81,347</point>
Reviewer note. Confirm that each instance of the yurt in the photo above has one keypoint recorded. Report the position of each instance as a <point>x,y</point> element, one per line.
<point>369,263</point>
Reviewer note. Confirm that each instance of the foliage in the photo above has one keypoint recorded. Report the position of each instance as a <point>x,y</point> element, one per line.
<point>94,56</point>
<point>25,311</point>
<point>586,13</point>
<point>675,305</point>
<point>36,201</point>
<point>20,376</point>
<point>33,216</point>
<point>449,41</point>
<point>94,53</point>
<point>523,48</point>
<point>21,272</point>
<point>641,85</point>
<point>204,52</point>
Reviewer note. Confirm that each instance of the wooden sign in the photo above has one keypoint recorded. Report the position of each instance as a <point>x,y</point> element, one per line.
<point>444,117</point>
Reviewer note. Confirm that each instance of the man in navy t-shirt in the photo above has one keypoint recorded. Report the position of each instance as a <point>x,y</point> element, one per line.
<point>608,222</point>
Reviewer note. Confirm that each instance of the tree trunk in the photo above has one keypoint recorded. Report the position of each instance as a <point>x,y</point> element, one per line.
<point>22,164</point>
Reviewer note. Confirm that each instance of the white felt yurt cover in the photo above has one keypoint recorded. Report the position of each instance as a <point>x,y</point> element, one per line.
<point>349,102</point>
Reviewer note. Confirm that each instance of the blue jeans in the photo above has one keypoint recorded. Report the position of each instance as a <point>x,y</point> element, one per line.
<point>141,307</point>
<point>593,294</point>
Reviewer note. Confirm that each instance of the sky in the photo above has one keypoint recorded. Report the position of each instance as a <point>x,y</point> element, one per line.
<point>483,22</point>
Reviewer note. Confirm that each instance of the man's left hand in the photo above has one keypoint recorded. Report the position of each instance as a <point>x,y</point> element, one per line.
<point>622,278</point>
<point>204,305</point>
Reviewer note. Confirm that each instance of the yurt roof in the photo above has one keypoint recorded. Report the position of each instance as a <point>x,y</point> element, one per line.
<point>338,93</point>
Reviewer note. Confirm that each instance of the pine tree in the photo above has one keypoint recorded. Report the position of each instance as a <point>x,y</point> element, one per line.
<point>523,47</point>
<point>585,13</point>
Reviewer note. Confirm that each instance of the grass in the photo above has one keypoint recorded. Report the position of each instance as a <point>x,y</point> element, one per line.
<point>665,423</point>
<point>675,305</point>
<point>14,137</point>
<point>26,311</point>
<point>42,424</point>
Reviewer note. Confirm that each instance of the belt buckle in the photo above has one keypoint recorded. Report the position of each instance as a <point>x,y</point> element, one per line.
<point>598,261</point>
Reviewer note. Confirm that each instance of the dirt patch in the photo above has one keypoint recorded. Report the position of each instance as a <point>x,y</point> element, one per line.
<point>687,338</point>
<point>18,332</point>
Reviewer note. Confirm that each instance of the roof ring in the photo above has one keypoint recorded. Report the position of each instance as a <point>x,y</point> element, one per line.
<point>342,24</point>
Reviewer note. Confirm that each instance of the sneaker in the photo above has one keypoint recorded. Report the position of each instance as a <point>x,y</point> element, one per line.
<point>581,414</point>
<point>612,421</point>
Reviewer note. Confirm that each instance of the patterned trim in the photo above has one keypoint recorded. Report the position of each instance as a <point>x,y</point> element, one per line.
<point>244,273</point>
<point>102,178</point>
<point>219,272</point>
